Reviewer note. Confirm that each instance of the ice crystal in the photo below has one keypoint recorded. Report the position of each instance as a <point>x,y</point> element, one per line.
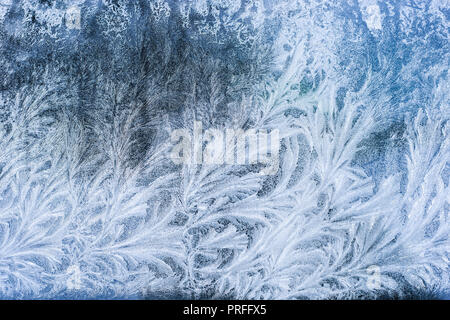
<point>91,205</point>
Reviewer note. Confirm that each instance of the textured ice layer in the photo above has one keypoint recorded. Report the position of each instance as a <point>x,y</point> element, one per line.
<point>92,204</point>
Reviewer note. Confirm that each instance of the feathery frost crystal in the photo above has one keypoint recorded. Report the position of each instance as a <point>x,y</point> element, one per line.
<point>224,149</point>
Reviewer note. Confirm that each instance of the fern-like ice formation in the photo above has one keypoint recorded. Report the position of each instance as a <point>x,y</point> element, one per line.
<point>91,205</point>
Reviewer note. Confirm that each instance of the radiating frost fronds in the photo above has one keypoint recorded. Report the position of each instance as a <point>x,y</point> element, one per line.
<point>336,115</point>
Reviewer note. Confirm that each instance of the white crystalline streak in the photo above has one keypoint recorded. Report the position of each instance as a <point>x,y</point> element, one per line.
<point>92,207</point>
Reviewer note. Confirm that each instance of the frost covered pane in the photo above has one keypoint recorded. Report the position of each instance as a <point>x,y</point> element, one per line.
<point>224,149</point>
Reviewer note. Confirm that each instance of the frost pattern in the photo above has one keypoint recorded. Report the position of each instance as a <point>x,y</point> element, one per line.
<point>92,207</point>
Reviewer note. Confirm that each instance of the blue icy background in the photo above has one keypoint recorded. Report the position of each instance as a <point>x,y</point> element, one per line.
<point>92,207</point>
